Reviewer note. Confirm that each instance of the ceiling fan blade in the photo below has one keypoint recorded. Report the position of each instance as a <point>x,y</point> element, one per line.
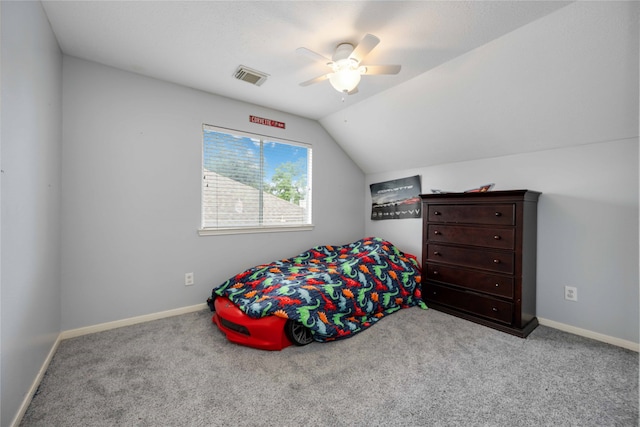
<point>372,70</point>
<point>365,46</point>
<point>316,80</point>
<point>313,55</point>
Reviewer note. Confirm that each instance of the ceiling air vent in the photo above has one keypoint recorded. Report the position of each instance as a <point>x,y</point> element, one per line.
<point>246,74</point>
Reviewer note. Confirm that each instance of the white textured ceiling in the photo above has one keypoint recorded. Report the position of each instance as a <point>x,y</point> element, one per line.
<point>200,44</point>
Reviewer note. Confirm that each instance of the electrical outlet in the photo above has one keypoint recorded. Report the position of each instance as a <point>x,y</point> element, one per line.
<point>188,279</point>
<point>571,293</point>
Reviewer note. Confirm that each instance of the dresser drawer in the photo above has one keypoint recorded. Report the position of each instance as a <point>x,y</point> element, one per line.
<point>493,284</point>
<point>499,238</point>
<point>496,214</point>
<point>501,262</point>
<point>494,309</point>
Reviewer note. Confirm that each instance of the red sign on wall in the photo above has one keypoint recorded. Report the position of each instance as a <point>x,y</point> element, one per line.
<point>266,122</point>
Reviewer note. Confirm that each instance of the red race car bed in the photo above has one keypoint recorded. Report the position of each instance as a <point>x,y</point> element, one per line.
<point>323,294</point>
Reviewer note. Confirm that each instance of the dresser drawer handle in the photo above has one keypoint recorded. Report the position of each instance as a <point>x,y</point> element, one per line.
<point>496,237</point>
<point>436,213</point>
<point>436,232</point>
<point>498,214</point>
<point>436,253</point>
<point>494,309</point>
<point>497,285</point>
<point>435,272</point>
<point>496,261</point>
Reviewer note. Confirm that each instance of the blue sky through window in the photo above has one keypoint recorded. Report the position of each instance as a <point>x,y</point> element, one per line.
<point>277,153</point>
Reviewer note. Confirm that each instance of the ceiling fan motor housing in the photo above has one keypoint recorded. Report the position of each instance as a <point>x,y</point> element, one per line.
<point>342,51</point>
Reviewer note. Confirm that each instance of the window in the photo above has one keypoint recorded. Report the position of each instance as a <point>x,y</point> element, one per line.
<point>254,183</point>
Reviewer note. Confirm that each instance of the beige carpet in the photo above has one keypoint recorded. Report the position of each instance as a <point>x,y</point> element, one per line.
<point>415,367</point>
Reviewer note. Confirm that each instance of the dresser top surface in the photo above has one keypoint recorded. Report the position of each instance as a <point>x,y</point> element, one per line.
<point>527,195</point>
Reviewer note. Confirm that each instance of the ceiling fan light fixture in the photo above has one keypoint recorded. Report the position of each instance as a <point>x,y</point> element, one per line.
<point>346,75</point>
<point>345,81</point>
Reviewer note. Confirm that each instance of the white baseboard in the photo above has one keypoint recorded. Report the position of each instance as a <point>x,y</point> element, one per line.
<point>72,333</point>
<point>90,330</point>
<point>630,345</point>
<point>36,383</point>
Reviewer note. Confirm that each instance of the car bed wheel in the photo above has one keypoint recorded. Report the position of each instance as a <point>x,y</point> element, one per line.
<point>297,333</point>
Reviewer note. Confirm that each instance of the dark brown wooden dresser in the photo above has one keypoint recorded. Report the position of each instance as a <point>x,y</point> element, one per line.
<point>479,257</point>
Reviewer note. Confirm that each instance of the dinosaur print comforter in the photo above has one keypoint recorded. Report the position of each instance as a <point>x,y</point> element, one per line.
<point>336,291</point>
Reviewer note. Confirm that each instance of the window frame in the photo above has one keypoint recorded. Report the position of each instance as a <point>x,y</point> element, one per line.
<point>212,231</point>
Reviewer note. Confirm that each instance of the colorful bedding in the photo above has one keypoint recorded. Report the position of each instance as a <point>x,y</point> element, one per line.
<point>335,291</point>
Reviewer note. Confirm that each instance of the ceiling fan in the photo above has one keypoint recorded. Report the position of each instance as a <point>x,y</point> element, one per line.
<point>346,67</point>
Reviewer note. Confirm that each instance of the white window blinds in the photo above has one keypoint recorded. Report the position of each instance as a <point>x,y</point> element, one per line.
<point>250,181</point>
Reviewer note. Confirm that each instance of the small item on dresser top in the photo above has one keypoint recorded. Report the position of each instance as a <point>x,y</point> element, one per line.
<point>481,189</point>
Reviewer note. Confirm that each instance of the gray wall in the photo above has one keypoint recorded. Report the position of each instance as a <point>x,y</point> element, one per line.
<point>131,195</point>
<point>30,220</point>
<point>587,226</point>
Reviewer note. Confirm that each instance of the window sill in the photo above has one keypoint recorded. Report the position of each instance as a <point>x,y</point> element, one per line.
<point>251,230</point>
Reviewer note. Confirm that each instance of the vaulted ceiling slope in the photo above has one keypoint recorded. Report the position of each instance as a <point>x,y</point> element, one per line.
<point>568,79</point>
<point>200,44</point>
